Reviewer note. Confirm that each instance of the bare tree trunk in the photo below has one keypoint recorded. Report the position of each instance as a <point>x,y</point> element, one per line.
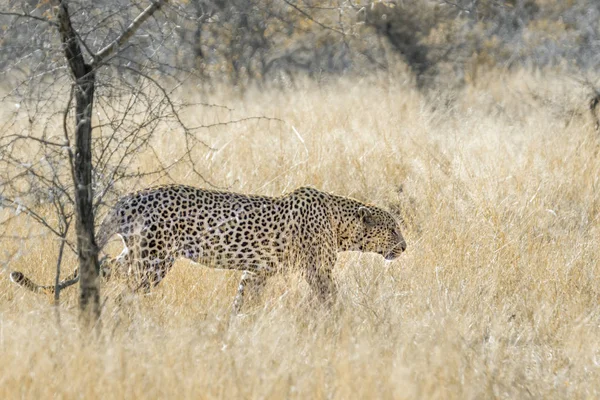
<point>89,295</point>
<point>85,69</point>
<point>81,164</point>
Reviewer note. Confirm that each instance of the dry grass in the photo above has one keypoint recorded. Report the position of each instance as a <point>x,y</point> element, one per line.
<point>496,296</point>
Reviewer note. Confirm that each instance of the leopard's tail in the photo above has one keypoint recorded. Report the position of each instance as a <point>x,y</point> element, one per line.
<point>20,279</point>
<point>107,229</point>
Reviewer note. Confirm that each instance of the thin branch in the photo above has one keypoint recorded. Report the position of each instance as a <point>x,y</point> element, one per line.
<point>57,286</point>
<point>307,15</point>
<point>66,133</point>
<point>235,121</point>
<point>16,137</point>
<point>10,203</point>
<point>167,97</point>
<point>41,19</point>
<point>128,33</point>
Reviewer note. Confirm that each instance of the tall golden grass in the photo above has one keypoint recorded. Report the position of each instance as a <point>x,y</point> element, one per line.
<point>496,296</point>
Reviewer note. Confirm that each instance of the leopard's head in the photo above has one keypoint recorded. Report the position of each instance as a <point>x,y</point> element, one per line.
<point>379,232</point>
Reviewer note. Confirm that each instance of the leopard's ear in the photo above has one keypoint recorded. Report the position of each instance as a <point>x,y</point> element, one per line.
<point>366,216</point>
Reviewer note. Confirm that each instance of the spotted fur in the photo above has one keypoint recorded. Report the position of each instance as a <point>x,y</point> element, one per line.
<point>257,234</point>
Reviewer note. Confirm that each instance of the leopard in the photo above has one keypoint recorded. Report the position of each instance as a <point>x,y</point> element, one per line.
<point>259,235</point>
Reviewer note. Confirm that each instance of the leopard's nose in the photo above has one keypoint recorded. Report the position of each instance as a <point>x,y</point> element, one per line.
<point>403,245</point>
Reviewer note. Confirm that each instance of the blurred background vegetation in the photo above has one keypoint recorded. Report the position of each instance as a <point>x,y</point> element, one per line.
<point>433,43</point>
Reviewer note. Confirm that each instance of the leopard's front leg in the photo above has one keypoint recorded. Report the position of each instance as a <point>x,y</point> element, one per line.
<point>319,271</point>
<point>250,287</point>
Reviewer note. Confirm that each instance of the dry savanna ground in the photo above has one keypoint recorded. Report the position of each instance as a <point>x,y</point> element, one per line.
<point>496,296</point>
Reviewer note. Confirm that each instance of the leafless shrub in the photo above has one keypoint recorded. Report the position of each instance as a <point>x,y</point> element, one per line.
<point>58,172</point>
